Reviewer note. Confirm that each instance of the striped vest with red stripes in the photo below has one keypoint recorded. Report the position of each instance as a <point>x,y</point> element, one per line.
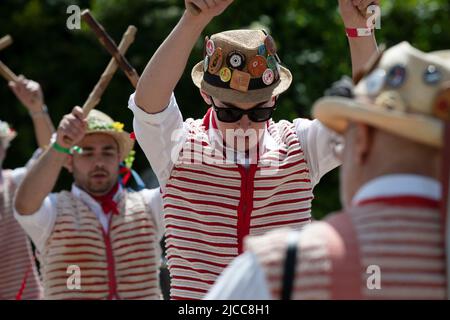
<point>18,274</point>
<point>209,207</point>
<point>120,264</point>
<point>398,239</point>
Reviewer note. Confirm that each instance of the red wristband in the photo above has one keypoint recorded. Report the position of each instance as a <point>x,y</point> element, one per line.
<point>358,32</point>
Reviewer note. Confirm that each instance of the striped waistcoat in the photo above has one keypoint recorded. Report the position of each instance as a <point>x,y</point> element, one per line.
<point>209,207</point>
<point>120,264</point>
<point>18,274</point>
<point>375,251</point>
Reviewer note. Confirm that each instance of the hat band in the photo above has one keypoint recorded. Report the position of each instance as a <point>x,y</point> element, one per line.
<point>255,84</point>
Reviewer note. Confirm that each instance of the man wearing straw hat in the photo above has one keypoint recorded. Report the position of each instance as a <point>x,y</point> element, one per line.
<point>98,241</point>
<point>235,172</point>
<point>388,242</point>
<point>18,274</point>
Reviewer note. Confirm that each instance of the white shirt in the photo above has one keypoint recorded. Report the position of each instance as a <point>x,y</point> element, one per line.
<point>17,175</point>
<point>39,225</point>
<point>162,136</point>
<point>244,278</point>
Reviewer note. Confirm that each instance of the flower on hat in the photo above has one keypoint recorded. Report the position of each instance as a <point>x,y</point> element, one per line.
<point>5,129</point>
<point>129,159</point>
<point>97,125</point>
<point>118,126</point>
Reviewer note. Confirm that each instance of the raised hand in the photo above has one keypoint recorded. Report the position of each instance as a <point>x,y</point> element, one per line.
<point>206,8</point>
<point>72,128</point>
<point>29,93</point>
<point>354,12</point>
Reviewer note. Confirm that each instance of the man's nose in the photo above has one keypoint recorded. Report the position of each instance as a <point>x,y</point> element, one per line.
<point>245,123</point>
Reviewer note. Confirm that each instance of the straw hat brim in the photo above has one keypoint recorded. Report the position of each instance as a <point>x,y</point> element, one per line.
<point>231,95</point>
<point>444,54</point>
<point>337,112</point>
<point>123,140</point>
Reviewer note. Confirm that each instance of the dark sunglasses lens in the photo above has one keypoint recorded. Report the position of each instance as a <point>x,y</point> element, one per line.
<point>228,114</point>
<point>260,114</point>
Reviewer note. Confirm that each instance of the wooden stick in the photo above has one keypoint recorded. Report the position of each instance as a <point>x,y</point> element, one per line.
<point>96,94</point>
<point>110,46</point>
<point>6,73</point>
<point>5,42</point>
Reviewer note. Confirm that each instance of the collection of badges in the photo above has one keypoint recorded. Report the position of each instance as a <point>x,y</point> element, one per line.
<point>396,77</point>
<point>234,68</point>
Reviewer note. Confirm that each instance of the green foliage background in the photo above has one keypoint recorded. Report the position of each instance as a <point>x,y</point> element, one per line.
<point>309,34</point>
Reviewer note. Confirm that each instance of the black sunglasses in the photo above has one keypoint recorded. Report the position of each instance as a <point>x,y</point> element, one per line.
<point>233,114</point>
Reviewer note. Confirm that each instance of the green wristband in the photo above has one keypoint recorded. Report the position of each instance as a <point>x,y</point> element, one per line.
<point>61,149</point>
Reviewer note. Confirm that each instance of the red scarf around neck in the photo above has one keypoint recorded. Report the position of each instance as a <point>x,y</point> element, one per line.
<point>107,202</point>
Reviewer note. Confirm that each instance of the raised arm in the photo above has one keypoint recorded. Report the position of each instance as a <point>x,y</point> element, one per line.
<point>354,15</point>
<point>166,66</point>
<point>30,95</point>
<point>43,174</point>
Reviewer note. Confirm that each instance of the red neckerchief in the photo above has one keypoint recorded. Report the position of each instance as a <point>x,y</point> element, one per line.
<point>107,202</point>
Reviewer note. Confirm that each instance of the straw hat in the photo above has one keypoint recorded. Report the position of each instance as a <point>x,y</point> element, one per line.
<point>98,122</point>
<point>241,66</point>
<point>7,134</point>
<point>407,92</point>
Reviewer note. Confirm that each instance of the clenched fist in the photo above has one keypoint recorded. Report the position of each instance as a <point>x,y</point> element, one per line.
<point>29,93</point>
<point>206,8</point>
<point>72,128</point>
<point>354,12</point>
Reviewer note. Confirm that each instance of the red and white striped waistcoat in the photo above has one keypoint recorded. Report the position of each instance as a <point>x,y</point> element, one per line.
<point>18,274</point>
<point>400,240</point>
<point>210,207</point>
<point>120,264</point>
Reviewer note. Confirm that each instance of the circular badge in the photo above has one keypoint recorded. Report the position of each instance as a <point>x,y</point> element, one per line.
<point>225,74</point>
<point>262,50</point>
<point>205,64</point>
<point>236,60</point>
<point>396,76</point>
<point>268,77</point>
<point>272,63</point>
<point>256,66</point>
<point>215,62</point>
<point>375,82</point>
<point>432,75</point>
<point>210,47</point>
<point>271,47</point>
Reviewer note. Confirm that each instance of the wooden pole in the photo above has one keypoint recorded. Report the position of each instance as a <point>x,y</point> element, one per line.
<point>5,42</point>
<point>109,44</point>
<point>96,94</point>
<point>6,73</point>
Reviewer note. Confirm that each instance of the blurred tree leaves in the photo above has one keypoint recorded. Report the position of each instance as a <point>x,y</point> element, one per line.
<point>309,34</point>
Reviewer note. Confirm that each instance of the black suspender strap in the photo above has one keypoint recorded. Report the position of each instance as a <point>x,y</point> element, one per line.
<point>289,267</point>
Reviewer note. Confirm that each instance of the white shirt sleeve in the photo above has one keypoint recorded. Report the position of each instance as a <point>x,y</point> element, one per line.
<point>243,279</point>
<point>154,201</point>
<point>19,173</point>
<point>315,140</point>
<point>39,225</point>
<point>161,136</point>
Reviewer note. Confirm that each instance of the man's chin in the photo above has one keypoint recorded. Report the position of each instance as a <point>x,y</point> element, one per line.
<point>99,189</point>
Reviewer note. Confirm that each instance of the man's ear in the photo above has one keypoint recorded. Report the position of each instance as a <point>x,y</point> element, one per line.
<point>206,97</point>
<point>68,163</point>
<point>364,141</point>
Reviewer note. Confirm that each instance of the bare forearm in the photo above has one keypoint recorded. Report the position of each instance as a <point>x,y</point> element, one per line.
<point>361,50</point>
<point>167,64</point>
<point>43,129</point>
<point>39,182</point>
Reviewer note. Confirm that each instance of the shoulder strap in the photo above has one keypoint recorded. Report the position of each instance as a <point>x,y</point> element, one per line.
<point>289,267</point>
